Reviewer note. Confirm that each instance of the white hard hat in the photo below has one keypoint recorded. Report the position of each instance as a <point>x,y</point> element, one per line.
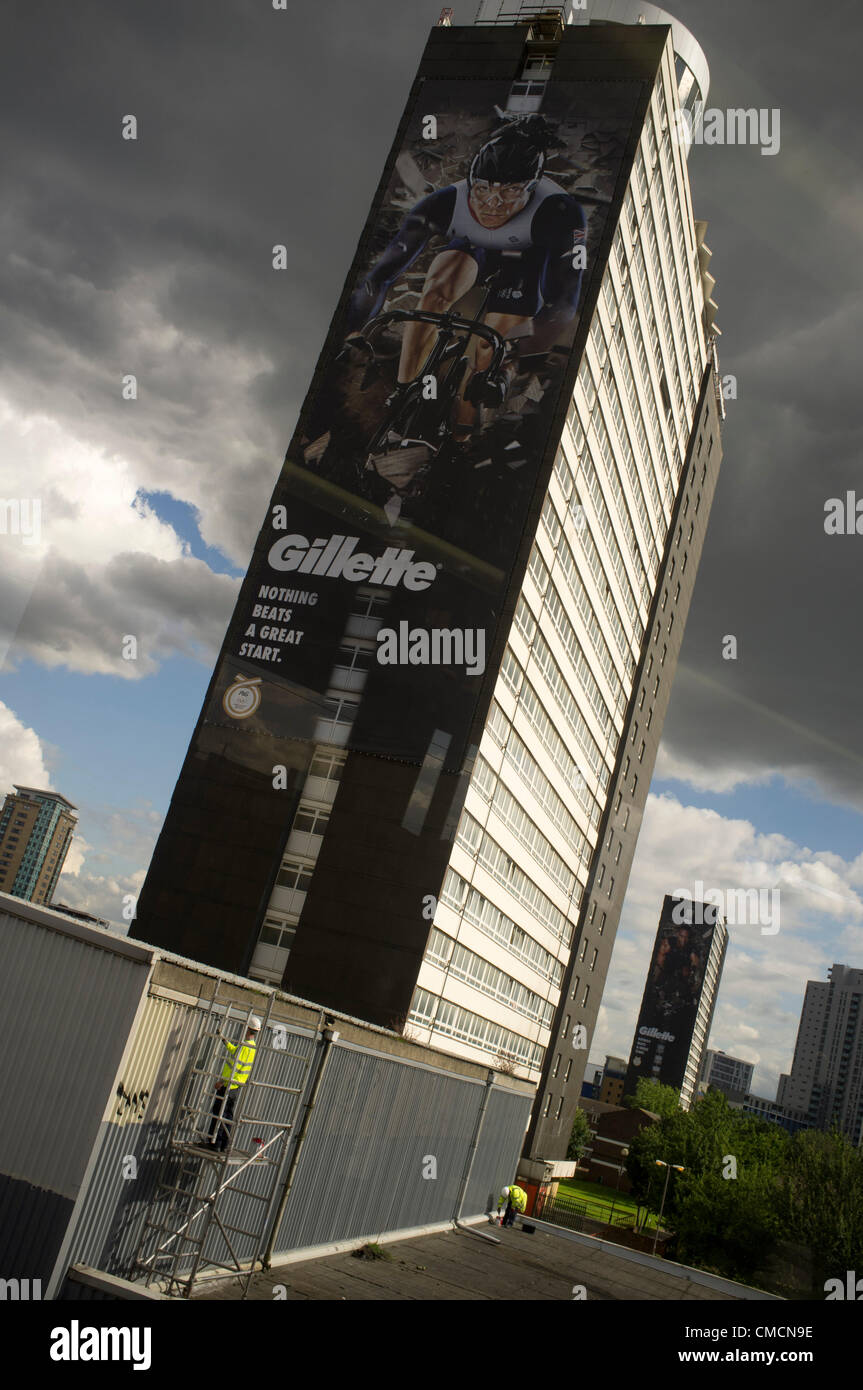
<point>255,1023</point>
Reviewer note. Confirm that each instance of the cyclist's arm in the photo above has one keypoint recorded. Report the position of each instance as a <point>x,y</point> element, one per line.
<point>430,217</point>
<point>561,229</point>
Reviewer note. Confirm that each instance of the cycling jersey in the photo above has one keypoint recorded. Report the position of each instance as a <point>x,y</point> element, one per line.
<point>530,256</point>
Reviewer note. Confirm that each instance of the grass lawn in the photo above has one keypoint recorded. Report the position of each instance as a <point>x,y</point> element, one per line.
<point>598,1199</point>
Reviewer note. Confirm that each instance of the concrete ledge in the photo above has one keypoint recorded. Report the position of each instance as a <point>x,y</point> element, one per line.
<point>692,1276</point>
<point>110,1286</point>
<point>340,1247</point>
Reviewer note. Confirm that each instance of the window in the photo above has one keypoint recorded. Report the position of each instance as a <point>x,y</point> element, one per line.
<point>671,622</point>
<point>634,786</point>
<point>583,952</point>
<point>368,604</point>
<point>683,564</point>
<point>568,1070</point>
<point>634,735</point>
<point>617,802</point>
<point>585,996</point>
<point>599,883</point>
<point>625,771</point>
<point>664,655</point>
<point>649,718</point>
<point>618,854</point>
<point>556,1068</point>
<point>610,887</point>
<point>679,535</point>
<point>602,924</point>
<point>310,820</point>
<point>592,913</point>
<point>649,666</point>
<point>276,932</point>
<point>626,818</point>
<point>547,1106</point>
<point>641,698</point>
<point>327,765</point>
<point>575,984</point>
<point>595,955</point>
<point>566,1023</point>
<point>293,874</point>
<point>559,1108</point>
<point>664,600</point>
<point>698,502</point>
<point>655,687</point>
<point>641,750</point>
<point>691,529</point>
<point>685,505</point>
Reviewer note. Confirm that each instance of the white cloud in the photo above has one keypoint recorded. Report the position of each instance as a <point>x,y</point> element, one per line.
<point>105,567</point>
<point>22,755</point>
<point>672,766</point>
<point>765,976</point>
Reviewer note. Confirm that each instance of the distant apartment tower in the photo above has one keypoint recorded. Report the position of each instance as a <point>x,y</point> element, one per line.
<point>679,997</point>
<point>612,1081</point>
<point>419,843</point>
<point>826,1080</point>
<point>731,1075</point>
<point>36,829</point>
<point>773,1113</point>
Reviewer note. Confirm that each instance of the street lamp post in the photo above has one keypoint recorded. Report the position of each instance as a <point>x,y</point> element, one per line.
<point>668,1167</point>
<point>624,1153</point>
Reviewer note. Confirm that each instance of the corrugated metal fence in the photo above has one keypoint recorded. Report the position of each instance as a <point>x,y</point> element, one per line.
<point>388,1142</point>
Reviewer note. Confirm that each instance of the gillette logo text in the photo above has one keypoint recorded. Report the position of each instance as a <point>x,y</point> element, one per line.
<point>336,557</point>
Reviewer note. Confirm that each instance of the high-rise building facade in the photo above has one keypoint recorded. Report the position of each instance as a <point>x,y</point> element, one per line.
<point>416,785</point>
<point>679,998</point>
<point>825,1084</point>
<point>36,829</point>
<point>731,1075</point>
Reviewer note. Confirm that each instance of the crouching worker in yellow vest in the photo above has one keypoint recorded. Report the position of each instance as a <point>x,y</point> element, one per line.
<point>235,1073</point>
<point>515,1199</point>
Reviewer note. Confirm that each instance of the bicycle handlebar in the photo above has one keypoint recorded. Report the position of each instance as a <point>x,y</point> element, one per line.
<point>451,321</point>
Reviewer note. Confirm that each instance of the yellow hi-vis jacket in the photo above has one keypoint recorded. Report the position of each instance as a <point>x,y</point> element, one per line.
<point>514,1194</point>
<point>244,1064</point>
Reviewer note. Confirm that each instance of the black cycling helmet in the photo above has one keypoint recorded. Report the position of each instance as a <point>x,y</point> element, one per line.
<point>515,153</point>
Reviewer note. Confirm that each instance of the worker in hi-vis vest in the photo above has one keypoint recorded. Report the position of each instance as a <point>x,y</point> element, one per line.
<point>235,1073</point>
<point>515,1198</point>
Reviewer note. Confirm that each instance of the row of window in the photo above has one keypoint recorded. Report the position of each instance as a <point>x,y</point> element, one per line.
<point>541,576</point>
<point>531,774</point>
<point>644,551</point>
<point>515,817</point>
<point>635,592</point>
<point>488,852</point>
<point>554,745</point>
<point>431,1011</point>
<point>458,894</point>
<point>561,688</point>
<point>466,965</point>
<point>527,624</point>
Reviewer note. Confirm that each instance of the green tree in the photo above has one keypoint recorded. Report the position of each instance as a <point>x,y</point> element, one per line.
<point>822,1200</point>
<point>580,1135</point>
<point>724,1208</point>
<point>653,1095</point>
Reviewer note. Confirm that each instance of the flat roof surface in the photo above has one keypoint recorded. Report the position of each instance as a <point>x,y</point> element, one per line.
<point>455,1265</point>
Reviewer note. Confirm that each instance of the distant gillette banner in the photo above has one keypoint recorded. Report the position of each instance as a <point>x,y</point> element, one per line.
<point>378,580</point>
<point>663,1034</point>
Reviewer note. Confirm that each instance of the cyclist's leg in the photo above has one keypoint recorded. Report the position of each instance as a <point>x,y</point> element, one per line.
<point>504,325</point>
<point>450,275</point>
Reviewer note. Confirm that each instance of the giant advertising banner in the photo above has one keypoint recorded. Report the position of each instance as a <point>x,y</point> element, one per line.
<point>374,593</point>
<point>663,1034</point>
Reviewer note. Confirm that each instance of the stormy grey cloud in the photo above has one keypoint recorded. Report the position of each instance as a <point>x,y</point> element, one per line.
<point>258,127</point>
